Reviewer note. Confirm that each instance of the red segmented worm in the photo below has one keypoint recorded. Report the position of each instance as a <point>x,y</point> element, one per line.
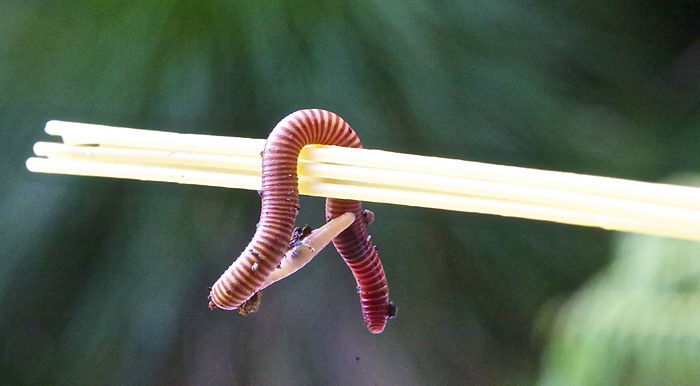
<point>280,203</point>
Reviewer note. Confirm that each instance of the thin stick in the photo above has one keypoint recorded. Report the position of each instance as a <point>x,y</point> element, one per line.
<point>378,176</point>
<point>299,255</point>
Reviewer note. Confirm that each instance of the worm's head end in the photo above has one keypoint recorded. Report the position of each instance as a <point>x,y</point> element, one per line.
<point>376,328</point>
<point>216,301</point>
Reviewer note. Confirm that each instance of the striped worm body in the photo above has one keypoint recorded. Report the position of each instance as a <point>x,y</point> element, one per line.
<point>280,204</point>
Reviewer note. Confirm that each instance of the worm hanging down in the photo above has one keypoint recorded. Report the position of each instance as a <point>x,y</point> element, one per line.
<point>280,203</point>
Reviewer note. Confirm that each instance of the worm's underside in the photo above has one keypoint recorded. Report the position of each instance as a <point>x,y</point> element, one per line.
<point>280,203</point>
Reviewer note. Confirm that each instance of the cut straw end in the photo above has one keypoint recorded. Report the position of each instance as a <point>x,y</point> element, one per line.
<point>74,133</point>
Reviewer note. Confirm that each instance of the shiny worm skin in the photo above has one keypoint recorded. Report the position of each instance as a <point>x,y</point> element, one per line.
<point>280,204</point>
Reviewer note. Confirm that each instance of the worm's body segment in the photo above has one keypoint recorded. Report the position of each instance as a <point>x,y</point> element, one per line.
<point>280,203</point>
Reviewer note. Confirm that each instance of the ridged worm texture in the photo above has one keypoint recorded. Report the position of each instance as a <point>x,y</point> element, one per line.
<point>280,204</point>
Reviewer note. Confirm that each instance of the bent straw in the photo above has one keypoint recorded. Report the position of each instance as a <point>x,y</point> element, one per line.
<point>379,176</point>
<point>308,248</point>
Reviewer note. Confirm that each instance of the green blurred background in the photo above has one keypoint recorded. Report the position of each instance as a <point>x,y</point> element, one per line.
<point>105,281</point>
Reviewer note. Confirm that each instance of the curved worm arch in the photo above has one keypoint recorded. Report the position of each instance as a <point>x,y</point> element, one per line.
<point>280,203</point>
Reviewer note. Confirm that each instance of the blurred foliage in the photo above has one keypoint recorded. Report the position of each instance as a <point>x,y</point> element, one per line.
<point>104,281</point>
<point>636,323</point>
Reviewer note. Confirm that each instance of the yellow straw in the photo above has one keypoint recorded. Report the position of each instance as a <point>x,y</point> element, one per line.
<point>376,176</point>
